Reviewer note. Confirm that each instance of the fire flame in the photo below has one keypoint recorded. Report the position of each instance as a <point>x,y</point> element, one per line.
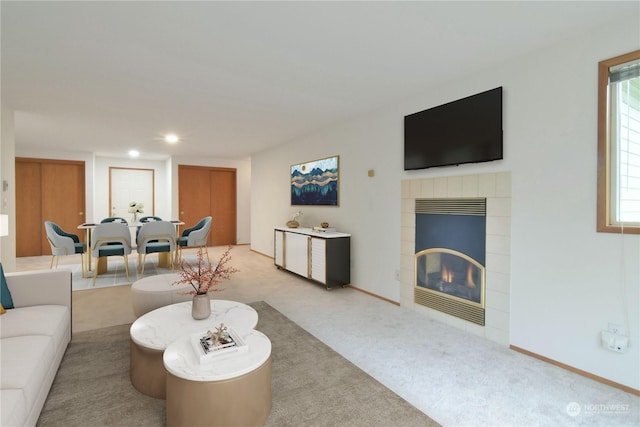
<point>447,275</point>
<point>470,283</point>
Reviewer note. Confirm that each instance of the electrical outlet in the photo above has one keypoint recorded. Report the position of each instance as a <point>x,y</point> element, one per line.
<point>613,342</point>
<point>617,329</point>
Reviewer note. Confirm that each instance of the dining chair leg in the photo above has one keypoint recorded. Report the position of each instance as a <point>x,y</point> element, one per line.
<point>84,271</point>
<point>53,257</point>
<point>144,259</point>
<point>95,272</point>
<point>126,266</point>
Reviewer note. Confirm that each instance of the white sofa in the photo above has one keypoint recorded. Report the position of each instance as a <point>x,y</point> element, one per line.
<point>33,338</point>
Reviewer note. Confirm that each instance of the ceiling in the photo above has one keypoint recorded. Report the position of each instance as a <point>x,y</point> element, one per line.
<point>234,78</point>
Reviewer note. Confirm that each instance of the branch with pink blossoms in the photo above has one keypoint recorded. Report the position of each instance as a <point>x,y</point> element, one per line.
<point>204,277</point>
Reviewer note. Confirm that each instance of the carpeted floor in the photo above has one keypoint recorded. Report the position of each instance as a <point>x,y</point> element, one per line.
<point>312,385</point>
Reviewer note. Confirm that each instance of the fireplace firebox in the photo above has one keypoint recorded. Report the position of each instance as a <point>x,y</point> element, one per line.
<point>450,256</point>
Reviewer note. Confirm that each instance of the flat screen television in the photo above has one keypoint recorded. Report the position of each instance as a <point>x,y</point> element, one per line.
<point>468,130</point>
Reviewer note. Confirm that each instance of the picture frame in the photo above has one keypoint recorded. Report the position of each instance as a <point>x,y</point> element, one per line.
<point>316,183</point>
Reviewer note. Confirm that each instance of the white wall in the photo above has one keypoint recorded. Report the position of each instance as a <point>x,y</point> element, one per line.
<point>8,196</point>
<point>567,281</point>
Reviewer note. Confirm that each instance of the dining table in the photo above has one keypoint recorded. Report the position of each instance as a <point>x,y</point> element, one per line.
<point>164,258</point>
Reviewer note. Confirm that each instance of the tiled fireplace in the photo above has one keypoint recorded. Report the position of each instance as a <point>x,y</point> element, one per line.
<point>457,271</point>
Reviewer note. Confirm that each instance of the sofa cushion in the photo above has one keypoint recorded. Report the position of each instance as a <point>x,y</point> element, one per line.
<point>13,407</point>
<point>26,361</point>
<point>5,295</point>
<point>49,320</point>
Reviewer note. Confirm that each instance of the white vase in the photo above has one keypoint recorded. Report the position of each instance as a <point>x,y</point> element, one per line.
<point>201,307</point>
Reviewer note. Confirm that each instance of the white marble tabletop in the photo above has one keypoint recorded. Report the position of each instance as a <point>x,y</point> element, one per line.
<point>181,360</point>
<point>311,232</point>
<point>162,326</point>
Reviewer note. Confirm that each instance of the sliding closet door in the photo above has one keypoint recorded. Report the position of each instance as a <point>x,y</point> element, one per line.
<point>194,196</point>
<point>223,207</point>
<point>29,229</point>
<point>50,190</point>
<point>207,191</point>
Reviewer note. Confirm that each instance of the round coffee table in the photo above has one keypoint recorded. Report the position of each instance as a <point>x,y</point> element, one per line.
<point>236,389</point>
<point>152,333</point>
<point>157,291</point>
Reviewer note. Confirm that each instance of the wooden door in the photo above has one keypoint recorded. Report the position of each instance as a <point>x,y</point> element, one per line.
<point>62,198</point>
<point>207,191</point>
<point>223,207</point>
<point>29,228</point>
<point>194,195</point>
<point>47,190</point>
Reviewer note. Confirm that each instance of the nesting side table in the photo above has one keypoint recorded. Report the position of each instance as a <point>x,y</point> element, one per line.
<point>234,391</point>
<point>153,332</point>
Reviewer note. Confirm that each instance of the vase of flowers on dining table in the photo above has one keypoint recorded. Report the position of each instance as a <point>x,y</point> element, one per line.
<point>135,208</point>
<point>204,278</point>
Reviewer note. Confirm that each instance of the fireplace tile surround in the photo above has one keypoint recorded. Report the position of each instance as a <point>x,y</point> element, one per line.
<point>496,188</point>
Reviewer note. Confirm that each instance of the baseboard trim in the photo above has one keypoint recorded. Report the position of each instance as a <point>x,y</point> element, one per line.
<point>373,295</point>
<point>260,253</point>
<point>577,371</point>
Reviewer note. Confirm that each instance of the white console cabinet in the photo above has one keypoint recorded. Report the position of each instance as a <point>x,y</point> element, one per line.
<point>324,257</point>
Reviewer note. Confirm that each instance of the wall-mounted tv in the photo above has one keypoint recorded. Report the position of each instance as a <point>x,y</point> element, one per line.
<point>468,130</point>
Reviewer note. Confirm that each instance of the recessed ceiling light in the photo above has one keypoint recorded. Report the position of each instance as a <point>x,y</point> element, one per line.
<point>134,153</point>
<point>171,138</point>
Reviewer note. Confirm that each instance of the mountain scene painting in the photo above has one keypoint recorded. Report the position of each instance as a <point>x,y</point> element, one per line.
<point>315,183</point>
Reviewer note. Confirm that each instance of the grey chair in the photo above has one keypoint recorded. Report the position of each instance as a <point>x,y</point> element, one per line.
<point>63,243</point>
<point>195,237</point>
<point>111,239</point>
<point>144,219</point>
<point>155,237</point>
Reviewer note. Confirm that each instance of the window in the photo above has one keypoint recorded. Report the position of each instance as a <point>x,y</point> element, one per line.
<point>619,144</point>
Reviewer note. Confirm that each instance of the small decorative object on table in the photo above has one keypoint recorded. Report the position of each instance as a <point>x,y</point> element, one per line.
<point>219,344</point>
<point>324,228</point>
<point>294,222</point>
<point>204,277</point>
<point>135,208</point>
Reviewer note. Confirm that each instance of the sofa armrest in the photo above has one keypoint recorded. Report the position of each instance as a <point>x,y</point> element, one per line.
<point>40,287</point>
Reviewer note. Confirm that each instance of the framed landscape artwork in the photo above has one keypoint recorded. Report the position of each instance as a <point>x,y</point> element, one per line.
<point>315,183</point>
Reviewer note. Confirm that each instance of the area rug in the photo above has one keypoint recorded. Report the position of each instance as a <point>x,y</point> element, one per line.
<point>312,385</point>
<point>115,274</point>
